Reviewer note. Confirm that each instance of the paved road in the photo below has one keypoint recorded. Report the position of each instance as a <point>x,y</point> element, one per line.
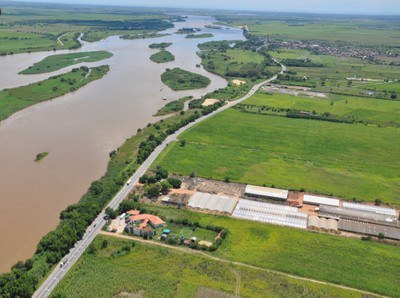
<point>58,273</point>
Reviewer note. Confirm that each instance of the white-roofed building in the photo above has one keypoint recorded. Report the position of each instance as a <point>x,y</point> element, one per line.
<point>266,192</point>
<point>214,202</point>
<point>317,200</point>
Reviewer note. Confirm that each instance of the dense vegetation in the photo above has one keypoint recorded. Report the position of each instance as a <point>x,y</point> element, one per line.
<point>41,155</point>
<point>111,269</point>
<point>179,79</point>
<point>162,57</point>
<point>56,62</point>
<point>15,99</point>
<point>142,36</point>
<point>202,35</point>
<point>173,106</point>
<point>160,46</point>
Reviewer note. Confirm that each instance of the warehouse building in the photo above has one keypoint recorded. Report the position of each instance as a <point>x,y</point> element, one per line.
<point>364,222</point>
<point>389,230</point>
<point>317,200</point>
<point>336,212</point>
<point>270,213</point>
<point>389,212</point>
<point>266,192</point>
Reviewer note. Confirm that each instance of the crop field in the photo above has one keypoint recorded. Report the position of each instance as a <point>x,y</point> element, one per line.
<point>358,33</point>
<point>55,62</point>
<point>162,57</point>
<point>13,100</point>
<point>318,156</point>
<point>179,79</point>
<point>160,272</point>
<point>363,109</point>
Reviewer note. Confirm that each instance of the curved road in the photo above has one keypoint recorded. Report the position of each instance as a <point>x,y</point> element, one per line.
<point>59,272</point>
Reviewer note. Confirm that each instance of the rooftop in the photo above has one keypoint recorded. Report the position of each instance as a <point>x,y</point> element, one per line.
<point>267,192</point>
<point>155,220</point>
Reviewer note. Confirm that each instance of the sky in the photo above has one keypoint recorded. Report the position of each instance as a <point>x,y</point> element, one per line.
<point>376,7</point>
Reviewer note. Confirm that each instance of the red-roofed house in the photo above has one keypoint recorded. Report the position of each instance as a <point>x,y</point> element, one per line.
<point>138,224</point>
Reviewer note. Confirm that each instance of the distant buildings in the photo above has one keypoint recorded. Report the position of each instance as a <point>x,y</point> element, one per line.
<point>266,192</point>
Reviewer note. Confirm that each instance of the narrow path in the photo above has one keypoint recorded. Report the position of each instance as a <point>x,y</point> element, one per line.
<point>201,253</point>
<point>59,39</point>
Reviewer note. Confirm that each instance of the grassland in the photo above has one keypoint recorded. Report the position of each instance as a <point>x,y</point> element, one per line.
<point>179,79</point>
<point>378,111</point>
<point>111,274</point>
<point>366,265</point>
<point>173,106</point>
<point>56,62</point>
<point>201,35</point>
<point>162,57</point>
<point>30,28</point>
<point>13,100</point>
<point>322,157</point>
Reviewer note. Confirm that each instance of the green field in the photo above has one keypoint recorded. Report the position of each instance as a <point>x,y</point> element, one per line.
<point>32,28</point>
<point>202,35</point>
<point>179,79</point>
<point>382,112</point>
<point>380,78</point>
<point>159,272</point>
<point>364,32</point>
<point>227,63</point>
<point>56,62</point>
<point>366,265</point>
<point>13,100</point>
<point>322,157</point>
<point>173,106</point>
<point>162,57</point>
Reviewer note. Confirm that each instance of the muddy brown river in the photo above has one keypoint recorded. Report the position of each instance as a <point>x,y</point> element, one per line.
<point>80,129</point>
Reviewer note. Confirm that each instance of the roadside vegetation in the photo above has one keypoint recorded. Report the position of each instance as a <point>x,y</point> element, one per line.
<point>56,62</point>
<point>173,106</point>
<point>179,79</point>
<point>188,275</point>
<point>162,57</point>
<point>15,99</point>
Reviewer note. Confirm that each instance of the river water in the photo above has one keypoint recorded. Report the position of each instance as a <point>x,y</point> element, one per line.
<point>80,129</point>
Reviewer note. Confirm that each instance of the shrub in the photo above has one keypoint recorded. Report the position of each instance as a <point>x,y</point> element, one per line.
<point>176,183</point>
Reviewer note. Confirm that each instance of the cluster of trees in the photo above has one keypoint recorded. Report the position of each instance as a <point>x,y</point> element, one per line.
<point>159,183</point>
<point>301,63</point>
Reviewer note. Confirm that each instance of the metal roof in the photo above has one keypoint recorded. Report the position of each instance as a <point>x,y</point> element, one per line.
<point>374,229</point>
<point>353,214</point>
<point>270,213</point>
<point>317,200</point>
<point>208,201</point>
<point>267,192</point>
<point>376,209</point>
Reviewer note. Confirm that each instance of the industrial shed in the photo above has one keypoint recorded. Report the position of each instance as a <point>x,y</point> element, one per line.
<point>270,213</point>
<point>343,213</point>
<point>317,200</point>
<point>392,213</point>
<point>390,230</point>
<point>208,201</point>
<point>266,192</point>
